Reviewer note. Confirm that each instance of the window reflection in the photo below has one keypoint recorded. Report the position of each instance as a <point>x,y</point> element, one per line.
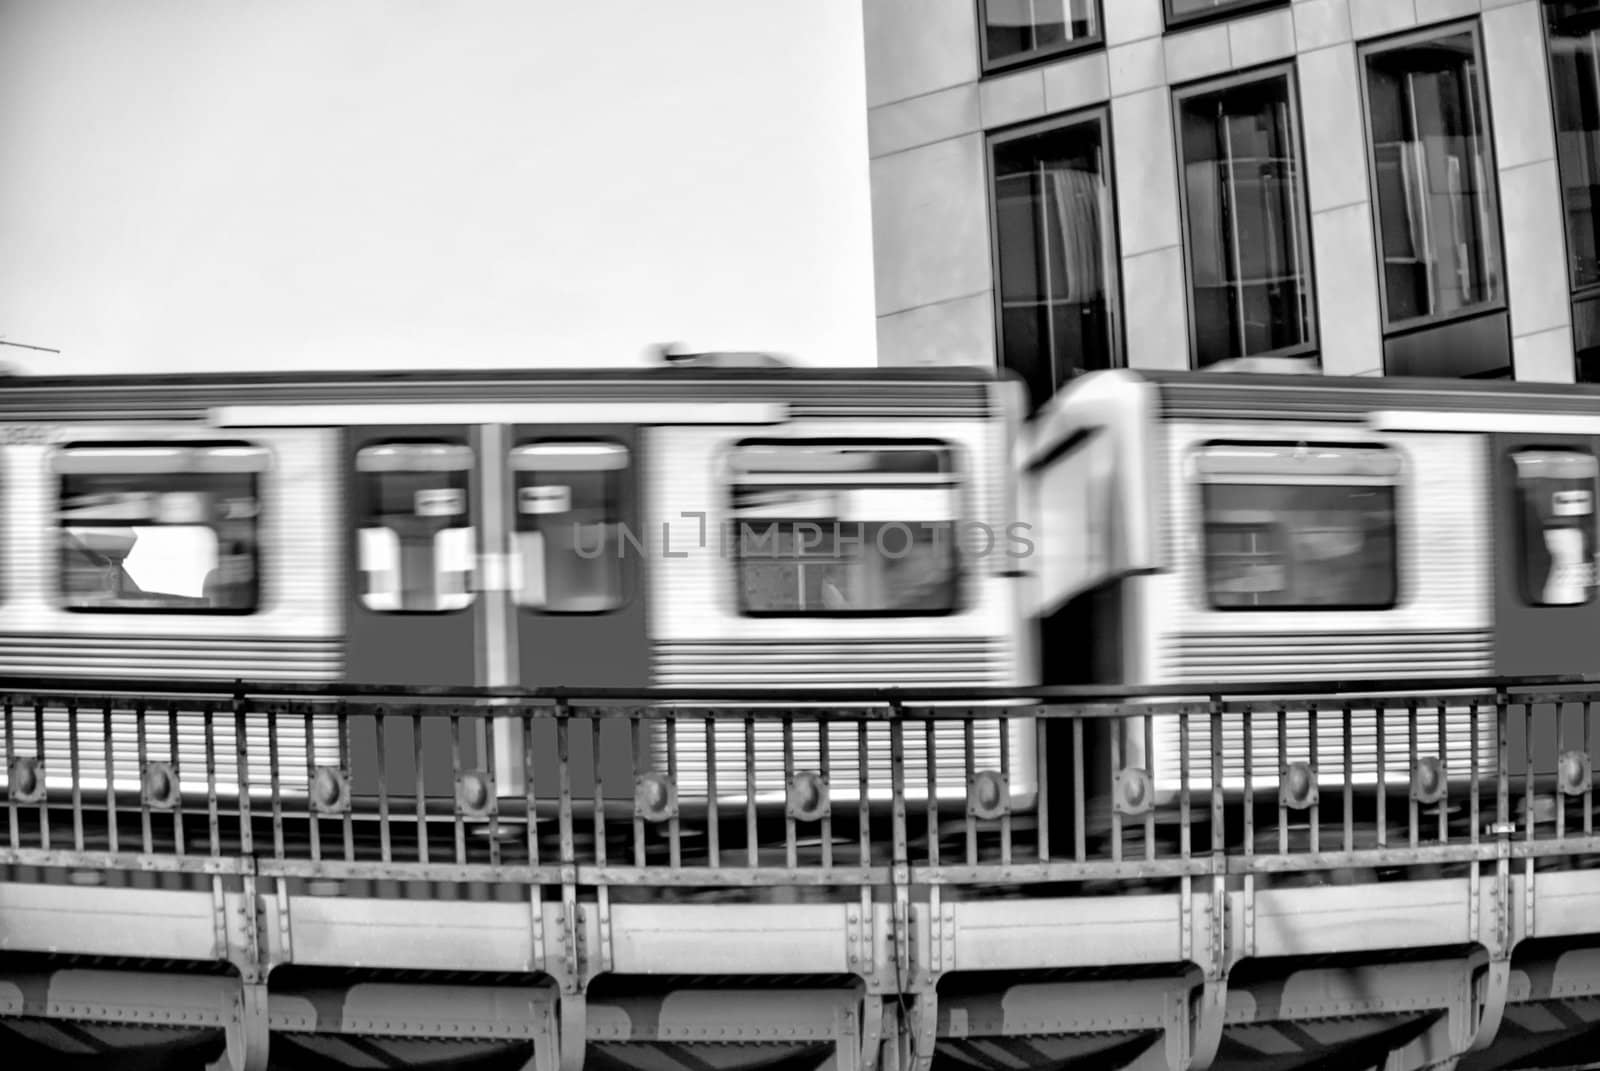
<point>415,536</point>
<point>1249,258</point>
<point>160,527</point>
<point>1057,256</point>
<point>569,526</point>
<point>1015,28</point>
<point>823,528</point>
<point>1299,527</point>
<point>1438,218</point>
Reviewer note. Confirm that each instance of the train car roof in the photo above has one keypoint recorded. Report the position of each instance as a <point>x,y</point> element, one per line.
<point>1220,395</point>
<point>818,391</point>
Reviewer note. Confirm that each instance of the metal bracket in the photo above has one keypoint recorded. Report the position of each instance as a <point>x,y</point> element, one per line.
<point>1487,994</point>
<point>1203,1026</point>
<point>572,1031</point>
<point>860,953</point>
<point>874,1010</point>
<point>248,1034</point>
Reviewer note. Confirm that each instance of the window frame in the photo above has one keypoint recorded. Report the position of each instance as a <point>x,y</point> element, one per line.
<point>1399,486</point>
<point>1399,42</point>
<point>360,506</point>
<point>1289,71</point>
<point>1099,115</point>
<point>989,67</point>
<point>258,489</point>
<point>1232,9</point>
<point>626,582</point>
<point>1577,296</point>
<point>961,572</point>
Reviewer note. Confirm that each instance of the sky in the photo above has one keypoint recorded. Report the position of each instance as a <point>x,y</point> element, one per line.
<point>197,185</point>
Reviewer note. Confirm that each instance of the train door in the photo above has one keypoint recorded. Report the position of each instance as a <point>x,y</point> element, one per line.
<point>1546,605</point>
<point>1547,614</point>
<point>494,555</point>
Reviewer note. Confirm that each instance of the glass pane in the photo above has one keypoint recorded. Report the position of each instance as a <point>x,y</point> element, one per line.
<point>1283,547</point>
<point>1057,252</point>
<point>1575,90</point>
<point>838,529</point>
<point>569,536</point>
<point>1555,496</point>
<point>1179,9</point>
<point>416,544</point>
<point>1016,27</point>
<point>159,541</point>
<point>1248,250</point>
<point>1438,221</point>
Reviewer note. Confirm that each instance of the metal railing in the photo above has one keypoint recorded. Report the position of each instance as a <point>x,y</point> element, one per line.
<point>667,794</point>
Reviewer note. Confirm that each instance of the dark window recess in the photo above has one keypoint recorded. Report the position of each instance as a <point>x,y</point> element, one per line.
<point>1249,244</point>
<point>1055,238</point>
<point>1437,206</point>
<point>1016,29</point>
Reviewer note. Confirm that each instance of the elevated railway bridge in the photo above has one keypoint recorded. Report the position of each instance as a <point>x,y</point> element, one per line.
<point>1388,874</point>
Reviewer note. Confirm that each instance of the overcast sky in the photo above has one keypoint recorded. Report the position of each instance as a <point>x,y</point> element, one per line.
<point>284,184</point>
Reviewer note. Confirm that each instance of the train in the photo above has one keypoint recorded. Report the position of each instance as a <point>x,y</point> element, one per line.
<point>679,527</point>
<point>716,522</point>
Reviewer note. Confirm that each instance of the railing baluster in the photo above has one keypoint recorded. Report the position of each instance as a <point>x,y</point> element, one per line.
<point>1080,794</point>
<point>77,774</point>
<point>1444,758</point>
<point>790,851</point>
<point>348,821</point>
<point>1283,774</point>
<point>242,745</point>
<point>969,762</point>
<point>380,726</point>
<point>825,771</point>
<point>42,750</point>
<point>1528,795</point>
<point>1382,781</point>
<point>313,820</point>
<point>1474,786</point>
<point>1314,756</point>
<point>1185,845</point>
<point>863,802</point>
<point>1005,777</point>
<point>458,823</point>
<point>276,783</point>
<point>488,720</point>
<point>111,777</point>
<point>178,838</point>
<point>1349,779</point>
<point>530,791</point>
<point>1042,772</point>
<point>600,787</point>
<point>930,736</point>
<point>1247,716</point>
<point>713,819</point>
<point>1115,758</point>
<point>1588,792</point>
<point>11,756</point>
<point>636,734</point>
<point>211,781</point>
<point>752,847</point>
<point>146,834</point>
<point>1149,767</point>
<point>419,762</point>
<point>1415,819</point>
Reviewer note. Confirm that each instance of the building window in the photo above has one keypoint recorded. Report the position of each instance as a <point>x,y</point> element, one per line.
<point>1187,12</point>
<point>569,539</point>
<point>1055,244</point>
<point>160,527</point>
<point>845,529</point>
<point>1023,31</point>
<point>1433,179</point>
<point>1555,496</point>
<point>1299,527</point>
<point>1574,42</point>
<point>1245,209</point>
<point>415,540</point>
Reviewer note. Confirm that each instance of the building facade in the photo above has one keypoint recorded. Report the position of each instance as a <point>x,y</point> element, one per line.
<point>1360,187</point>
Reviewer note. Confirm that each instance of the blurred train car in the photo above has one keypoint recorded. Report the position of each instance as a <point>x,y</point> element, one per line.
<point>718,522</point>
<point>1220,528</point>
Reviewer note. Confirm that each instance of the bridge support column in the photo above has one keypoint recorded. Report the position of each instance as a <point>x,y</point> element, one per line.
<point>247,1031</point>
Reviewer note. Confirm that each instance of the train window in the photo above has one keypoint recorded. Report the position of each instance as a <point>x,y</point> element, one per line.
<point>415,539</point>
<point>1555,499</point>
<point>1298,526</point>
<point>568,557</point>
<point>839,528</point>
<point>172,527</point>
